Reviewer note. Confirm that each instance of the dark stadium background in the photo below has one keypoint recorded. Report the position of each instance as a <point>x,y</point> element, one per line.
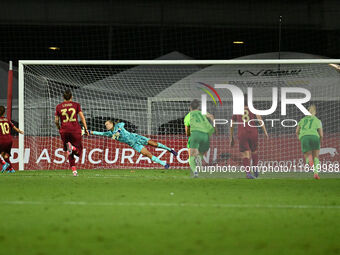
<point>149,29</point>
<point>133,29</point>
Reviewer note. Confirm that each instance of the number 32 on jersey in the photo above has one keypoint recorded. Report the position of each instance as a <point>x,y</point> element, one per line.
<point>69,114</point>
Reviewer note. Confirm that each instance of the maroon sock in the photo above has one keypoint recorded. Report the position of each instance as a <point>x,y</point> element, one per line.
<point>246,164</point>
<point>71,160</point>
<point>255,158</point>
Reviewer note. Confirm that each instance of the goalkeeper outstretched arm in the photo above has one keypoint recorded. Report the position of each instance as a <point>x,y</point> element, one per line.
<point>107,133</point>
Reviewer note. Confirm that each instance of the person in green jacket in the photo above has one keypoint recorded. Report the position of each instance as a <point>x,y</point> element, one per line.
<point>199,130</point>
<point>309,132</point>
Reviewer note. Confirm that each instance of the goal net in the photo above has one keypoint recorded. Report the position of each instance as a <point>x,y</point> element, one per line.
<point>153,97</point>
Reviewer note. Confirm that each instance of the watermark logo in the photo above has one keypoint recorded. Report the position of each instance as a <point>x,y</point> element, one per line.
<point>270,72</point>
<point>238,99</point>
<point>209,93</point>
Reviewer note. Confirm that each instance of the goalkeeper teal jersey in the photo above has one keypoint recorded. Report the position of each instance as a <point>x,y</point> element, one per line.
<point>124,136</point>
<point>309,125</point>
<point>198,122</point>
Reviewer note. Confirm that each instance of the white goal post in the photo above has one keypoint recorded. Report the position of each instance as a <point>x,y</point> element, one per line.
<point>156,105</point>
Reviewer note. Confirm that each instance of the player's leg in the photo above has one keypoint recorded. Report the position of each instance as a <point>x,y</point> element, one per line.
<point>4,165</point>
<point>315,147</point>
<point>76,149</point>
<point>306,150</point>
<point>195,159</point>
<point>148,141</point>
<point>308,158</point>
<point>7,166</point>
<point>255,162</point>
<point>2,161</point>
<point>140,148</point>
<point>245,152</point>
<point>253,144</point>
<point>315,155</point>
<point>6,148</point>
<point>75,145</point>
<point>310,146</point>
<point>204,146</point>
<point>2,153</point>
<point>245,155</point>
<point>65,137</point>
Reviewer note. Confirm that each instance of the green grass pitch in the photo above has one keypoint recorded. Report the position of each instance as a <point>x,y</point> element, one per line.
<point>166,212</point>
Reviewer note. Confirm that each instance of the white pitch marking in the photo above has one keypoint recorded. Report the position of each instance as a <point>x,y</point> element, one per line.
<point>84,203</point>
<point>97,176</point>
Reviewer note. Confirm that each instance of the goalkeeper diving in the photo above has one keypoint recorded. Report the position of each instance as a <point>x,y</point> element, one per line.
<point>138,142</point>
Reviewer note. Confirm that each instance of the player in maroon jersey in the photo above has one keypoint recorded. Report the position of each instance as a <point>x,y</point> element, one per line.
<point>248,137</point>
<point>66,120</point>
<point>6,141</point>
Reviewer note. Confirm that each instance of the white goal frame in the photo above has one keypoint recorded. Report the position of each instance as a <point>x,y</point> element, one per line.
<point>23,63</point>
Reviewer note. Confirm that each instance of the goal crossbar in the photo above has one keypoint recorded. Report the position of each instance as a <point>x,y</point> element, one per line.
<point>179,62</point>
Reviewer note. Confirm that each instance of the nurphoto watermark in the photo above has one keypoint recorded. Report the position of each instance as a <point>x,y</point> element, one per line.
<point>325,168</point>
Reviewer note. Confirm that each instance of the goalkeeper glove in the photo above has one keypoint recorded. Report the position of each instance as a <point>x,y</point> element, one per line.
<point>83,131</point>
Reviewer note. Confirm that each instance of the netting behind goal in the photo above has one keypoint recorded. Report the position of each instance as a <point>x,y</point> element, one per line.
<point>153,100</point>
